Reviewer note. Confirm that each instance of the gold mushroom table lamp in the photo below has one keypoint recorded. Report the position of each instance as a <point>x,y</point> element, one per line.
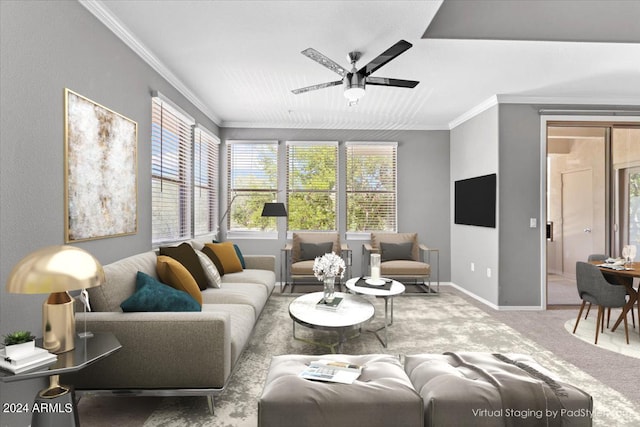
<point>56,270</point>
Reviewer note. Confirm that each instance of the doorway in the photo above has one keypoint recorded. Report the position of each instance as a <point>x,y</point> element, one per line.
<point>593,198</point>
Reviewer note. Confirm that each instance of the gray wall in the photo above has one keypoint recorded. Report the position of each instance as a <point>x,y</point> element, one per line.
<point>519,189</point>
<point>45,47</point>
<point>423,184</point>
<point>474,152</point>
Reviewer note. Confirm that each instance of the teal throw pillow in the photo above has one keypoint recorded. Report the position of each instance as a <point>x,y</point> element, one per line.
<point>153,295</point>
<point>240,257</point>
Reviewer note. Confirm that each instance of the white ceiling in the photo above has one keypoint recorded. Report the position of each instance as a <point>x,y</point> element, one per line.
<point>239,60</point>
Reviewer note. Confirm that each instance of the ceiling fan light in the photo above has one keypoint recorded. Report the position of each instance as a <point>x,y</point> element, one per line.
<point>354,87</point>
<point>354,93</point>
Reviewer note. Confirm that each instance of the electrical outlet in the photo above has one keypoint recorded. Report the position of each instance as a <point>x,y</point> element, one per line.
<point>488,272</point>
<point>533,222</point>
<point>473,266</point>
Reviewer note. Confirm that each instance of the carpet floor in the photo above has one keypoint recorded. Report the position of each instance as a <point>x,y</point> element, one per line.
<point>448,322</point>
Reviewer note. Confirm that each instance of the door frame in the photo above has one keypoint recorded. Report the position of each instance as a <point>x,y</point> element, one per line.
<point>576,120</point>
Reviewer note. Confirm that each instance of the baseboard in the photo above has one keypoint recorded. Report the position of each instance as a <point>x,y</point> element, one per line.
<point>494,306</point>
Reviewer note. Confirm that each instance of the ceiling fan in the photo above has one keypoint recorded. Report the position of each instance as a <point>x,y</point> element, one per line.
<point>354,81</point>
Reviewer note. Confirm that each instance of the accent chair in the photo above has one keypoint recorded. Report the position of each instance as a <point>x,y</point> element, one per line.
<point>402,258</point>
<point>300,254</point>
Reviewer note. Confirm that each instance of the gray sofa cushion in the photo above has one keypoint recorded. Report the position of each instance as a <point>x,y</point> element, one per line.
<point>470,388</point>
<point>120,281</point>
<point>242,321</point>
<point>252,294</point>
<point>382,396</point>
<point>264,277</point>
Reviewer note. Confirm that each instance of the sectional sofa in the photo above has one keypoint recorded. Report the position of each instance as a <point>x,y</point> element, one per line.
<point>173,353</point>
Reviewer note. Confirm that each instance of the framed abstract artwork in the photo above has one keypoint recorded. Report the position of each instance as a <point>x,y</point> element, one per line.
<point>100,171</point>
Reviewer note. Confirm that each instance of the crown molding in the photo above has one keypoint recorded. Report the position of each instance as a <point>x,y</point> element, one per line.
<point>323,125</point>
<point>554,100</point>
<point>104,15</point>
<point>483,106</point>
<point>539,100</point>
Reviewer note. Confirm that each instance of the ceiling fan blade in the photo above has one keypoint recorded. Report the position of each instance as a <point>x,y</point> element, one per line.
<point>323,60</point>
<point>315,87</point>
<point>384,81</point>
<point>385,57</point>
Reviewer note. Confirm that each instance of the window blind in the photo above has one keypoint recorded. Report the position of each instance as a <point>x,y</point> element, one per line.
<point>312,182</point>
<point>205,173</point>
<point>371,186</point>
<point>171,172</point>
<point>252,180</point>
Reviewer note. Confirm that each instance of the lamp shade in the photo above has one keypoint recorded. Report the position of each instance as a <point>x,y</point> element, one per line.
<point>55,269</point>
<point>274,209</point>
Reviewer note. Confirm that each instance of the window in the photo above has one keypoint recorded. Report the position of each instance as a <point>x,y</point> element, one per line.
<point>252,181</point>
<point>184,158</point>
<point>205,183</point>
<point>371,186</point>
<point>312,182</point>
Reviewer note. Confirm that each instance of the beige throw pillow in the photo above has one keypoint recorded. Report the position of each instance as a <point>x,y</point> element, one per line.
<point>213,276</point>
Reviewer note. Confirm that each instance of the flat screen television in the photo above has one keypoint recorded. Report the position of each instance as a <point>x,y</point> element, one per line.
<point>475,201</point>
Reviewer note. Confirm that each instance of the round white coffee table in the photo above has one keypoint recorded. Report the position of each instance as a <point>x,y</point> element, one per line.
<point>352,313</point>
<point>386,290</point>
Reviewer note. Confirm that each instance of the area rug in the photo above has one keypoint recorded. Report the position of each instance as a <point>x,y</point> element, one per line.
<point>421,325</point>
<point>613,341</point>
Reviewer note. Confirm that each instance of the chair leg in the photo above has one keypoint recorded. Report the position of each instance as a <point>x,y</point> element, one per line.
<point>599,322</point>
<point>588,309</point>
<point>626,328</point>
<point>579,315</point>
<point>608,316</point>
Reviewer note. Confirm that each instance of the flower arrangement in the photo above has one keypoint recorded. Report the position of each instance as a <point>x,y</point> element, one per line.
<point>328,265</point>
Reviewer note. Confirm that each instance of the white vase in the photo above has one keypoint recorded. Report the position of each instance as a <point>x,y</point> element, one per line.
<point>329,288</point>
<point>17,350</point>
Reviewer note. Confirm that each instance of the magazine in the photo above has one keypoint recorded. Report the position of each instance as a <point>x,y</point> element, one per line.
<point>333,305</point>
<point>332,371</point>
<point>38,358</point>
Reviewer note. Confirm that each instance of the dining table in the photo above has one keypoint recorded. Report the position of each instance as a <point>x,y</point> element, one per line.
<point>625,278</point>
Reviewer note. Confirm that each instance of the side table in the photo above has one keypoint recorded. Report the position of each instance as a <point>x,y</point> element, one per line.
<point>396,288</point>
<point>56,405</point>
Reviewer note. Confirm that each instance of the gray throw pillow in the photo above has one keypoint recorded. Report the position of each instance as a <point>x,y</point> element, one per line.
<point>309,251</point>
<point>394,251</point>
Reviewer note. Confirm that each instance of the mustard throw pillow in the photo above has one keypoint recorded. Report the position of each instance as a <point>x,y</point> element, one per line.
<point>226,254</point>
<point>177,276</point>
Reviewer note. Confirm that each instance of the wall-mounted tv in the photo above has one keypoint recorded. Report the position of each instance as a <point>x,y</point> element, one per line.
<point>475,201</point>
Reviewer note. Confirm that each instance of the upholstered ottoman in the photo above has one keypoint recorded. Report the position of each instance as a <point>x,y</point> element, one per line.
<point>382,395</point>
<point>483,389</point>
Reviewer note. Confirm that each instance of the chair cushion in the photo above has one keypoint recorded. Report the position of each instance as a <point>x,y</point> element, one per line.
<point>173,273</point>
<point>404,268</point>
<point>377,238</point>
<point>302,268</point>
<point>313,237</point>
<point>310,251</point>
<point>152,295</point>
<point>395,251</point>
<point>186,255</point>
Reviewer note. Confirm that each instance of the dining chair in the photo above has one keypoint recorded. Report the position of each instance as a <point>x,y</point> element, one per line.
<point>601,258</point>
<point>593,288</point>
